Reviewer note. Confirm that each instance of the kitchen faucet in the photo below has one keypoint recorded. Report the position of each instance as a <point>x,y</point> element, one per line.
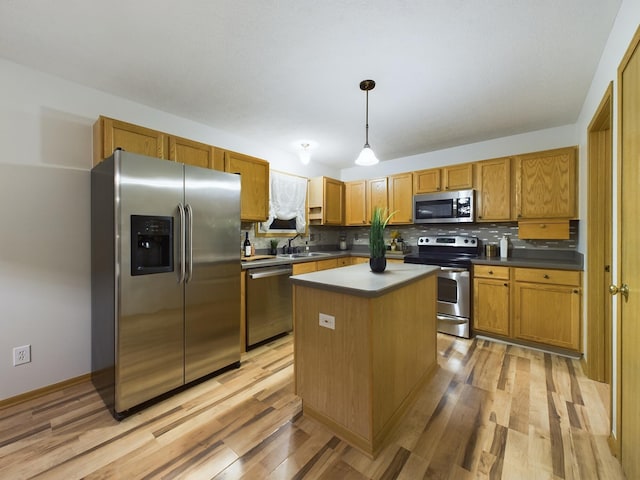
<point>291,240</point>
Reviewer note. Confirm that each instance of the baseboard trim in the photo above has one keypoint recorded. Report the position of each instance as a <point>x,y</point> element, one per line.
<point>41,392</point>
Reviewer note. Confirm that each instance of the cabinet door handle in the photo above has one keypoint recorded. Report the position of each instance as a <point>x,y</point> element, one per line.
<point>506,285</point>
<point>490,272</point>
<point>545,276</point>
<point>576,291</point>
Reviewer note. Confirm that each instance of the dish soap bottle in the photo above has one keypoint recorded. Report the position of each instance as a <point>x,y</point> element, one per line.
<point>504,247</point>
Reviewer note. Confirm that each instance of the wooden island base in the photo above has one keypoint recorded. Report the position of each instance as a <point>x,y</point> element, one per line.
<point>361,376</point>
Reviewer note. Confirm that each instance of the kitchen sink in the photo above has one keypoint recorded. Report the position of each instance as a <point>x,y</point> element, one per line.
<point>303,255</point>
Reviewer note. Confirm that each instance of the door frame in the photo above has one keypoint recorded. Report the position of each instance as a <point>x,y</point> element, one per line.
<point>597,364</point>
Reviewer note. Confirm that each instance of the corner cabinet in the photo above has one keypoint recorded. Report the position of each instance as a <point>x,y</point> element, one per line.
<point>547,306</point>
<point>326,201</point>
<point>493,190</point>
<point>491,299</point>
<point>254,181</point>
<point>546,184</point>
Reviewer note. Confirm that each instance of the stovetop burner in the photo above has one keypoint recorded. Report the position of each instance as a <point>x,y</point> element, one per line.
<point>446,251</point>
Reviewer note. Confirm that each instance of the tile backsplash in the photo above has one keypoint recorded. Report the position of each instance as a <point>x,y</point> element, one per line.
<point>328,238</point>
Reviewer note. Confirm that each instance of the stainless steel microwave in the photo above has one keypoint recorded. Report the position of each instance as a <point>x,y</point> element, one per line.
<point>444,207</point>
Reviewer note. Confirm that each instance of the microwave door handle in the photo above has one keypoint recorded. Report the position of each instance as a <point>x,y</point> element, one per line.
<point>181,244</point>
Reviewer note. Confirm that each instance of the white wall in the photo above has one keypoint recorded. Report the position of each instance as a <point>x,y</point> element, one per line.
<point>45,132</point>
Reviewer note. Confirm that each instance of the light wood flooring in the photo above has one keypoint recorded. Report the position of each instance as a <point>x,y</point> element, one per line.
<point>492,411</point>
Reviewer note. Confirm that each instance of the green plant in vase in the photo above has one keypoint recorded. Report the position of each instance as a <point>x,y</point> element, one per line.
<point>377,247</point>
<point>274,247</point>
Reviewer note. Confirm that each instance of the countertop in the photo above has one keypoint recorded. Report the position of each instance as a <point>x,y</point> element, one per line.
<point>529,258</point>
<point>326,255</point>
<point>560,260</point>
<point>359,280</point>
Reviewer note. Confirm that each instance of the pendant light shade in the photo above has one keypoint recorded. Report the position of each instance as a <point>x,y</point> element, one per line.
<point>367,157</point>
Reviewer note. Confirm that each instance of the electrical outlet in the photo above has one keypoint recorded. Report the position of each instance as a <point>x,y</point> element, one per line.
<point>327,321</point>
<point>21,355</point>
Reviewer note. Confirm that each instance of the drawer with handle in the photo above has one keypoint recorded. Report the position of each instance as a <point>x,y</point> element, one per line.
<point>491,271</point>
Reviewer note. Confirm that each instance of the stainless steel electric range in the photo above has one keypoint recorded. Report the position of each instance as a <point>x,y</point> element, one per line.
<point>453,254</point>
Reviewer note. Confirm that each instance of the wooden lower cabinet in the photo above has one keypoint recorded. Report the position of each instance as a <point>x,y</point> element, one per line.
<point>536,305</point>
<point>491,299</point>
<point>547,307</point>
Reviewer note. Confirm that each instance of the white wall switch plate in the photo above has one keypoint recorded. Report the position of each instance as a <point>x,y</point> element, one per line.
<point>327,321</point>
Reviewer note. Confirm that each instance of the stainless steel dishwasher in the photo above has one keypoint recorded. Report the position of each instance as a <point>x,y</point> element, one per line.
<point>269,303</point>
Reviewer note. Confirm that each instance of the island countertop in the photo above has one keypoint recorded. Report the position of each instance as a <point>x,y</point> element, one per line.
<point>359,280</point>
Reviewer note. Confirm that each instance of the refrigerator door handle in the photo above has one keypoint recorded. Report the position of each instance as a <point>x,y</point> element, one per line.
<point>189,253</point>
<point>181,253</point>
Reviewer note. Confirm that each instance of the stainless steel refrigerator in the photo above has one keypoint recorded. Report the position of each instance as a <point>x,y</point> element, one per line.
<point>165,277</point>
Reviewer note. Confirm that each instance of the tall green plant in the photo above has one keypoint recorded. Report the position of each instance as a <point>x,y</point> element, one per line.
<point>379,220</point>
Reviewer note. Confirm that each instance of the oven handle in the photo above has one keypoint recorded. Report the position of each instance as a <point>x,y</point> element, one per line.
<point>453,269</point>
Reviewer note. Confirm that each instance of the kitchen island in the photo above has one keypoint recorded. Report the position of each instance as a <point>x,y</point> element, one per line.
<point>365,344</point>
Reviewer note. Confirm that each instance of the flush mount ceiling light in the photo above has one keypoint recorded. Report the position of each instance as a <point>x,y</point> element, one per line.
<point>367,157</point>
<point>305,156</point>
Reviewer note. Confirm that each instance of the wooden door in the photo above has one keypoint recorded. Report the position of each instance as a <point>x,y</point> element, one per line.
<point>355,203</point>
<point>599,241</point>
<point>629,257</point>
<point>401,198</point>
<point>493,198</point>
<point>190,153</point>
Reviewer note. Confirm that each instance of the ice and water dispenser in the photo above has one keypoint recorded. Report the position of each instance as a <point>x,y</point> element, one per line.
<point>151,244</point>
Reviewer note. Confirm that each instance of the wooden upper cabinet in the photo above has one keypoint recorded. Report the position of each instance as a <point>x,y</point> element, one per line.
<point>254,181</point>
<point>401,198</point>
<point>458,177</point>
<point>109,134</point>
<point>493,190</point>
<point>454,177</point>
<point>546,184</point>
<point>190,152</point>
<point>326,201</point>
<point>427,181</point>
<point>355,197</point>
<point>376,195</point>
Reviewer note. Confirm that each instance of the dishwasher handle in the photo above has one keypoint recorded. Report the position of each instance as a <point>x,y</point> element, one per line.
<point>269,272</point>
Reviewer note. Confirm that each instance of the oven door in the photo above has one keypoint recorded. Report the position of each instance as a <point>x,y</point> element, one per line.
<point>454,303</point>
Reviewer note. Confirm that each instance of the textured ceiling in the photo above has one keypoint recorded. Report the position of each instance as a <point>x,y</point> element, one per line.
<point>448,72</point>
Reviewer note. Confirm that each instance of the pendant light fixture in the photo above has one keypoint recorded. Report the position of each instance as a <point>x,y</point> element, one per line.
<point>367,157</point>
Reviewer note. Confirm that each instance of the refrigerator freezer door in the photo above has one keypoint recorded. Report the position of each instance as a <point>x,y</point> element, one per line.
<point>212,289</point>
<point>149,326</point>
